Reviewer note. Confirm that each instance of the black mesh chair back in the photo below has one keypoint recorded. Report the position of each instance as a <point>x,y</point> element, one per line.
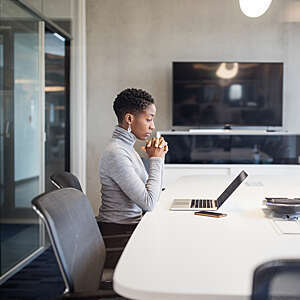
<point>277,279</point>
<point>65,180</point>
<point>115,243</point>
<point>75,237</point>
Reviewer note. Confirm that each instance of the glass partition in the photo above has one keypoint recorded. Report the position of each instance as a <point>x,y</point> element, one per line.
<point>21,152</point>
<point>34,126</point>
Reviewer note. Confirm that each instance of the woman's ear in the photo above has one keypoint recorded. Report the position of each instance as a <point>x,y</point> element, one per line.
<point>129,118</point>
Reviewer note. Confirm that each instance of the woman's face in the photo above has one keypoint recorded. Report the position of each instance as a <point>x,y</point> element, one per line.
<point>142,123</point>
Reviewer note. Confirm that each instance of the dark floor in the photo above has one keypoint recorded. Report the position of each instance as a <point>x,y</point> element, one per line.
<point>40,280</point>
<point>17,241</point>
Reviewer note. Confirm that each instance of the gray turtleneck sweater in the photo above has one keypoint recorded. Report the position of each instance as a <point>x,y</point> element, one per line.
<point>127,189</point>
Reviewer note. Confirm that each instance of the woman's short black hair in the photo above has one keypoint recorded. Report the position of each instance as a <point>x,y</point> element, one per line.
<point>131,101</point>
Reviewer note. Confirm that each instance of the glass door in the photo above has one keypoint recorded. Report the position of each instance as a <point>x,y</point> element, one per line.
<point>22,132</point>
<point>57,146</point>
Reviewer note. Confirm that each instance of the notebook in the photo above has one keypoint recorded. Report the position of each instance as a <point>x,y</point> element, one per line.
<point>209,204</point>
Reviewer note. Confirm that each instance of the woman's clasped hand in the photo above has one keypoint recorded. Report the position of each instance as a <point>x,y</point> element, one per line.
<point>156,147</point>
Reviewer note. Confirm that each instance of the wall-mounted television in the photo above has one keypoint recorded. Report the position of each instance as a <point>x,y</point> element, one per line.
<point>214,94</point>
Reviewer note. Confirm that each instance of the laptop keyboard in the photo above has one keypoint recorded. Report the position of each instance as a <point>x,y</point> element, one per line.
<point>202,203</point>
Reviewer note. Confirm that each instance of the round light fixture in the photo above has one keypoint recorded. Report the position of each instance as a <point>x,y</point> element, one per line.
<point>254,8</point>
<point>227,70</point>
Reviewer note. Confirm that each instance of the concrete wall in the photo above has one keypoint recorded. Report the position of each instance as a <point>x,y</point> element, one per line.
<point>132,43</point>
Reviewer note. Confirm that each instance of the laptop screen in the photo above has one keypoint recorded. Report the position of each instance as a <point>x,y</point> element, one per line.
<point>232,187</point>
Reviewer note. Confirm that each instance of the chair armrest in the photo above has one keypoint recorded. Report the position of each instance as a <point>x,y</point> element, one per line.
<point>106,285</point>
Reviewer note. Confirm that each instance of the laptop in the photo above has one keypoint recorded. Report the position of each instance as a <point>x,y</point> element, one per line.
<point>209,204</point>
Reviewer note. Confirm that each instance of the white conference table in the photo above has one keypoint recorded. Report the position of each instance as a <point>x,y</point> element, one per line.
<point>177,255</point>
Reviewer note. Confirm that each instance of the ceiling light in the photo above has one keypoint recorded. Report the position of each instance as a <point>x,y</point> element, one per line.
<point>54,89</point>
<point>254,8</point>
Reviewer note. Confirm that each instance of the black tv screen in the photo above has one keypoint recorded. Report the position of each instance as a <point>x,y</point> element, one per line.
<point>214,94</point>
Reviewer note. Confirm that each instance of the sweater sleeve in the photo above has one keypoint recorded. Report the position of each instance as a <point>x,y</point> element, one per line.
<point>122,172</point>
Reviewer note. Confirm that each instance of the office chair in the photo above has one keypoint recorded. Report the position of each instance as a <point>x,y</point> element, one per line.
<point>65,179</point>
<point>277,279</point>
<point>113,241</point>
<point>77,243</point>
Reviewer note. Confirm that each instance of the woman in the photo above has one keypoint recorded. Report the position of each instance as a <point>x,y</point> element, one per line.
<point>127,189</point>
